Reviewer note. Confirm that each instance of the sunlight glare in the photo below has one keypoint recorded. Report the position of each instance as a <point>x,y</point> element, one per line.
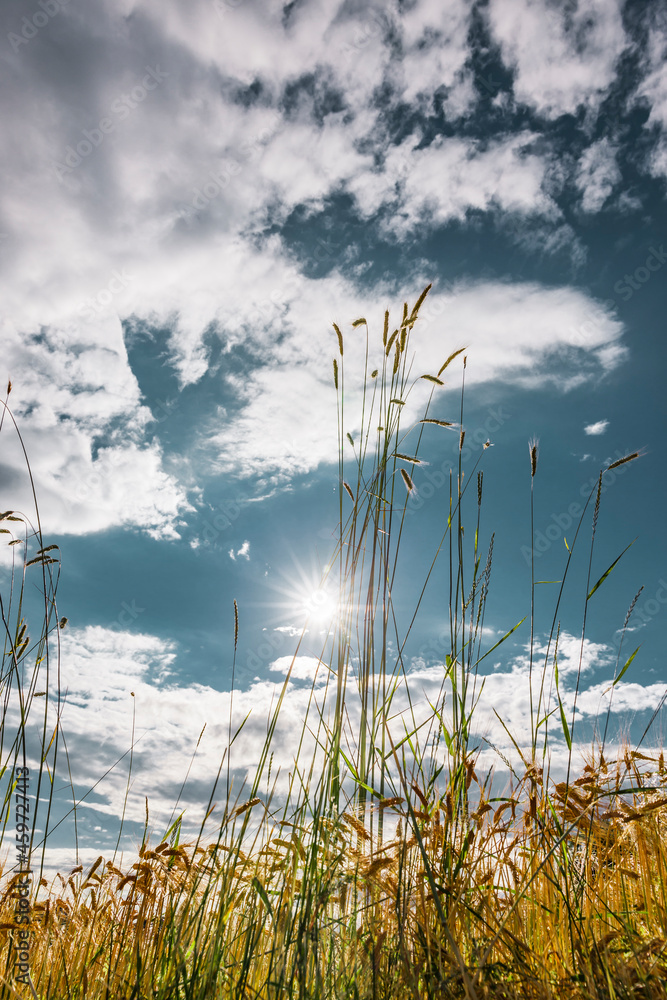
<point>321,606</point>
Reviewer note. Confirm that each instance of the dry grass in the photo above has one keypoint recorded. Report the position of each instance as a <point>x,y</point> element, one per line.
<point>394,870</point>
<point>550,892</point>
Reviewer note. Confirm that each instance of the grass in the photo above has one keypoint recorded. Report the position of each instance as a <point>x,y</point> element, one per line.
<point>393,866</point>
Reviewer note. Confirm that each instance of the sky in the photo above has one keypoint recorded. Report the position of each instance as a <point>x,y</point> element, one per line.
<point>193,193</point>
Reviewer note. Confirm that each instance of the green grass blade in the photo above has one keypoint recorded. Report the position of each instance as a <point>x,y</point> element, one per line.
<point>617,679</point>
<point>606,574</point>
<point>500,641</point>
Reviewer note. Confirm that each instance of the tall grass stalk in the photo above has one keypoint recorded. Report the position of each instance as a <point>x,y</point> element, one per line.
<point>387,863</point>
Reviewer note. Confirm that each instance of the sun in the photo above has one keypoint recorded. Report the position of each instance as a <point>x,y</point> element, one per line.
<point>321,606</point>
<point>307,596</point>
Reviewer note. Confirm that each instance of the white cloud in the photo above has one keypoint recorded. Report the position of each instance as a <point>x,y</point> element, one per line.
<point>243,552</point>
<point>599,427</point>
<point>521,333</point>
<point>290,630</point>
<point>302,668</point>
<point>435,184</point>
<point>189,254</point>
<point>73,387</point>
<point>435,56</point>
<point>626,697</point>
<point>118,683</point>
<point>653,88</point>
<point>597,175</point>
<point>564,55</point>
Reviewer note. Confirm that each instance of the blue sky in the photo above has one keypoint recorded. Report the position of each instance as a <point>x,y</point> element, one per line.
<point>193,193</point>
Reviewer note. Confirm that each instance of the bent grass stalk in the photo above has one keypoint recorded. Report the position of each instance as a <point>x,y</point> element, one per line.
<point>389,865</point>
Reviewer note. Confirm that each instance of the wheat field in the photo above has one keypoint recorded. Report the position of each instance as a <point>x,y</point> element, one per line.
<point>392,868</point>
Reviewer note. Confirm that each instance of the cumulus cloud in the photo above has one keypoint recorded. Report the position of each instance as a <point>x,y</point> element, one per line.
<point>429,185</point>
<point>564,56</point>
<point>599,427</point>
<point>435,56</point>
<point>86,432</point>
<point>186,148</point>
<point>116,683</point>
<point>303,668</point>
<point>521,333</point>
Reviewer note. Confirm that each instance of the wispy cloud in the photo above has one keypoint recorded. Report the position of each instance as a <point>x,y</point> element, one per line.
<point>597,175</point>
<point>653,89</point>
<point>241,553</point>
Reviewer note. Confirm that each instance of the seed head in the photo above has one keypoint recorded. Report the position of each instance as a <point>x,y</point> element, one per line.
<point>533,449</point>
